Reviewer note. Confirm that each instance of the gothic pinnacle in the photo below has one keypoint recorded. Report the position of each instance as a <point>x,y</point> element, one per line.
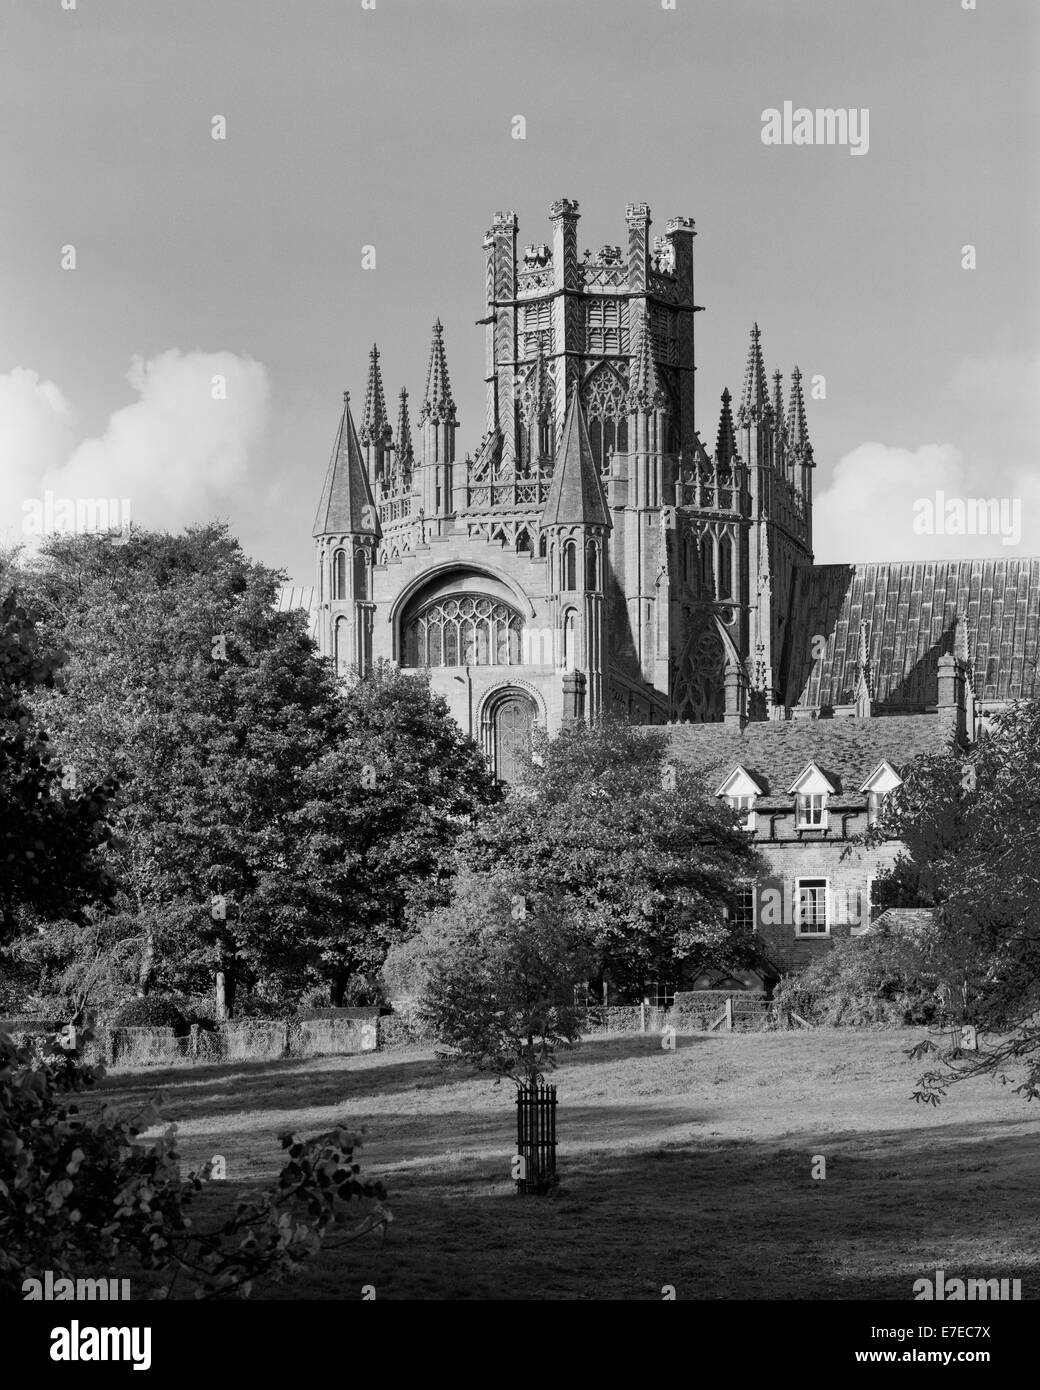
<point>644,392</point>
<point>797,430</point>
<point>374,423</point>
<point>726,442</point>
<point>756,390</point>
<point>438,388</point>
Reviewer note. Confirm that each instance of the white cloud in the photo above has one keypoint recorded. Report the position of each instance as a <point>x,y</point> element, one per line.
<point>867,511</point>
<point>177,453</point>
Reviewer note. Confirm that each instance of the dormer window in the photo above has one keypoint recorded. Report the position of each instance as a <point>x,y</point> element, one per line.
<point>812,791</point>
<point>740,791</point>
<point>745,808</point>
<point>812,811</point>
<point>882,780</point>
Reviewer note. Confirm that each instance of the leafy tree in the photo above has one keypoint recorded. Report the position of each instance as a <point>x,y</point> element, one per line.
<point>494,977</point>
<point>884,977</point>
<point>53,829</point>
<point>82,1196</point>
<point>273,827</point>
<point>207,704</point>
<point>631,846</point>
<point>971,834</point>
<point>381,812</point>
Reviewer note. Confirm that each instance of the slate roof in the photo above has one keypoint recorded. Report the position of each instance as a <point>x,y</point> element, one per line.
<point>910,610</point>
<point>774,752</point>
<point>292,596</point>
<point>575,493</point>
<point>346,492</point>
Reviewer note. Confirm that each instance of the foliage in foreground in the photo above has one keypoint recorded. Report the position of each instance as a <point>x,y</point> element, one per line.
<point>972,835</point>
<point>630,846</point>
<point>81,1196</point>
<point>883,978</point>
<point>494,976</point>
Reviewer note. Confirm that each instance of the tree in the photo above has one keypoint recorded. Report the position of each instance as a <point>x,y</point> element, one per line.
<point>54,829</point>
<point>82,1196</point>
<point>381,811</point>
<point>207,704</point>
<point>274,827</point>
<point>642,860</point>
<point>494,976</point>
<point>971,837</point>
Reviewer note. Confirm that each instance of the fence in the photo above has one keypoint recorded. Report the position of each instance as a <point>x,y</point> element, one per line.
<point>536,1137</point>
<point>696,1011</point>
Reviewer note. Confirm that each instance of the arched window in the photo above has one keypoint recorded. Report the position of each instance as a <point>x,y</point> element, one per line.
<point>570,655</point>
<point>725,568</point>
<point>523,543</point>
<point>570,565</point>
<point>606,410</point>
<point>468,630</point>
<point>591,565</point>
<point>541,546</point>
<point>339,574</point>
<point>342,653</point>
<point>707,564</point>
<point>360,574</point>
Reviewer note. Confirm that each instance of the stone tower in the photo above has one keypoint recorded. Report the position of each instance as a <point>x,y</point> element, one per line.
<point>590,554</point>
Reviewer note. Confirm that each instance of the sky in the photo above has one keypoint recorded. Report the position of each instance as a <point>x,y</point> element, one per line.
<point>388,123</point>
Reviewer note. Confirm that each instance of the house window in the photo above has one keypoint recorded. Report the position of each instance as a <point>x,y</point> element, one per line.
<point>812,811</point>
<point>875,804</point>
<point>745,808</point>
<point>661,994</point>
<point>811,896</point>
<point>742,908</point>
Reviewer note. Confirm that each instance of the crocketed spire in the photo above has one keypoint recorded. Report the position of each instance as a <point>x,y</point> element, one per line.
<point>644,392</point>
<point>756,390</point>
<point>375,427</point>
<point>438,402</point>
<point>405,453</point>
<point>797,430</point>
<point>726,441</point>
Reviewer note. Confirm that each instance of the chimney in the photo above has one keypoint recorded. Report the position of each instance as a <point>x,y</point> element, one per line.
<point>951,709</point>
<point>734,712</point>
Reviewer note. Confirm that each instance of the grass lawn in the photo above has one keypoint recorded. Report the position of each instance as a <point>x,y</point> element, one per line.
<point>690,1167</point>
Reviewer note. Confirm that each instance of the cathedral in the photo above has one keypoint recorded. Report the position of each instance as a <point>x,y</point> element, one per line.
<point>593,554</point>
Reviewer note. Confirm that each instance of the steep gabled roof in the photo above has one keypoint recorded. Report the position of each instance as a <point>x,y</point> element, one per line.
<point>911,613</point>
<point>775,752</point>
<point>346,499</point>
<point>575,493</point>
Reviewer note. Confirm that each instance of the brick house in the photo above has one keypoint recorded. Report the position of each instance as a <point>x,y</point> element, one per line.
<point>809,788</point>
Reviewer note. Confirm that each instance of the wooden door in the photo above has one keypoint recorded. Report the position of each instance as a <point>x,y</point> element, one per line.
<point>514,718</point>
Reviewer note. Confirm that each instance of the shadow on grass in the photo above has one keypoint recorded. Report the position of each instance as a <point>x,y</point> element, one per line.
<point>194,1091</point>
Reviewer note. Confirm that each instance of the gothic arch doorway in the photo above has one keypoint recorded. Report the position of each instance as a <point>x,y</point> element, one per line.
<point>512,723</point>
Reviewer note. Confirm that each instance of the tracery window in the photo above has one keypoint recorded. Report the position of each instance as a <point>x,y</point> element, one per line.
<point>470,630</point>
<point>606,411</point>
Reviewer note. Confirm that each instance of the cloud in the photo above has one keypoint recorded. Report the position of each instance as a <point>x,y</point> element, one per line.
<point>182,452</point>
<point>868,510</point>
